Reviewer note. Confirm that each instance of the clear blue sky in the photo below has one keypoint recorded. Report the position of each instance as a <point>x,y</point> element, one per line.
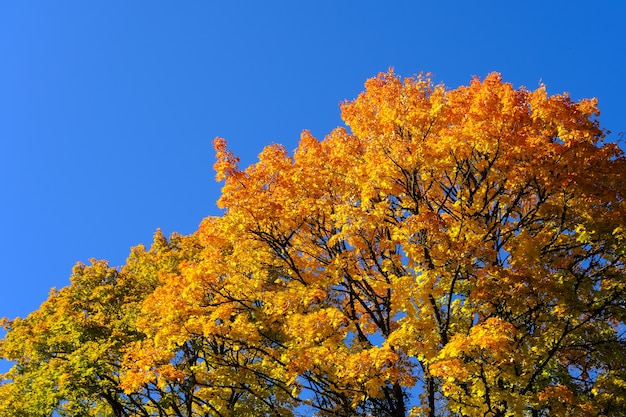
<point>108,108</point>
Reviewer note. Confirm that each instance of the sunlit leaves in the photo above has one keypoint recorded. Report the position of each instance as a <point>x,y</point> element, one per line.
<point>455,252</point>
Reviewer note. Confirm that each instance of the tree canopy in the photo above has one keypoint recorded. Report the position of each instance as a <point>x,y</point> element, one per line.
<point>453,252</point>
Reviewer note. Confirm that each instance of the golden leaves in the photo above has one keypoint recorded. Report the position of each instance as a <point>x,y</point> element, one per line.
<point>468,241</point>
<point>444,229</point>
<point>226,164</point>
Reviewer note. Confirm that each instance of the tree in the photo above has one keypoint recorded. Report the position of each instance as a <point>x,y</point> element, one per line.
<point>456,253</point>
<point>68,353</point>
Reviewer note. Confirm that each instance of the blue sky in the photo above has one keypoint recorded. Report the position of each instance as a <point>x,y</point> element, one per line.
<point>108,109</point>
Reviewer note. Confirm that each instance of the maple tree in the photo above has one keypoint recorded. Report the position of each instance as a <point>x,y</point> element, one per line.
<point>456,252</point>
<point>68,353</point>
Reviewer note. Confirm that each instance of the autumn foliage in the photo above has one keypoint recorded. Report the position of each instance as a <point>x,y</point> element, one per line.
<point>456,252</point>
